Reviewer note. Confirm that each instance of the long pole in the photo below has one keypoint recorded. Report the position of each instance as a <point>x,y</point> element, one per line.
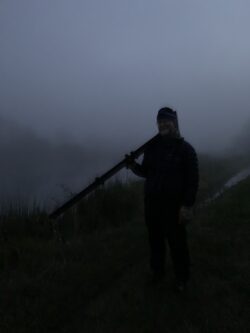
<point>99,180</point>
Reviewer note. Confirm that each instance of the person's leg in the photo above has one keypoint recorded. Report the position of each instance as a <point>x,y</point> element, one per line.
<point>156,238</point>
<point>179,251</point>
<point>157,250</point>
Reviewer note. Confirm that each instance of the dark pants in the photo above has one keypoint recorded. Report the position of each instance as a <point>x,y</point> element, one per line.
<point>161,218</point>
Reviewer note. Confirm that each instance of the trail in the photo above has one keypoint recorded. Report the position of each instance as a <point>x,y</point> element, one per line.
<point>236,179</point>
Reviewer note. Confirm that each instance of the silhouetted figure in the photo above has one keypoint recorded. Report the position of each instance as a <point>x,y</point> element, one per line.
<point>170,169</point>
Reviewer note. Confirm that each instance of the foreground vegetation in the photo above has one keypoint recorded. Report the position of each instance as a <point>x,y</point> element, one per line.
<point>92,276</point>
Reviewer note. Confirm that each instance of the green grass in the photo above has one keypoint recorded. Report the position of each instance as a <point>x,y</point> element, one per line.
<point>215,171</point>
<point>95,281</point>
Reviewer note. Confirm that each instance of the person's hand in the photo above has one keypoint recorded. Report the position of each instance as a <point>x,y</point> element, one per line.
<point>186,214</point>
<point>130,161</point>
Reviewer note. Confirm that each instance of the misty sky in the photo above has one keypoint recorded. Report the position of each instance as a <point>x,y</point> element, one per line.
<point>100,70</point>
<point>94,74</point>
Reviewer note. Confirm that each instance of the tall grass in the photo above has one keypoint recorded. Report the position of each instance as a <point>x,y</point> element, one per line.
<point>97,282</point>
<point>112,205</point>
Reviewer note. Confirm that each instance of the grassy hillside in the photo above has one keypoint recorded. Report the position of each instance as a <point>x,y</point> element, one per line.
<point>215,171</point>
<point>96,281</point>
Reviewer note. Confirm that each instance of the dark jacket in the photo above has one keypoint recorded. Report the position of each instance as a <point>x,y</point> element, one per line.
<point>170,169</point>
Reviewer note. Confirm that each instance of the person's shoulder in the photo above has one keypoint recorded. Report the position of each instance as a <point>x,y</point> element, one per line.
<point>152,143</point>
<point>187,146</point>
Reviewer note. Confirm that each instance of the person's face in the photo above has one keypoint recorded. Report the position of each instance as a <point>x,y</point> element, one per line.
<point>166,126</point>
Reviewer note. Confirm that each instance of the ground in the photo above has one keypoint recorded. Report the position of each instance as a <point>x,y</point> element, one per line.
<point>98,282</point>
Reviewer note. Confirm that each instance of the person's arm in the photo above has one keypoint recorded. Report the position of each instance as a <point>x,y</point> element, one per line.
<point>139,169</point>
<point>191,176</point>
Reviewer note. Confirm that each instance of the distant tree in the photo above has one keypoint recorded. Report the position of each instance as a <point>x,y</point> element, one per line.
<point>242,142</point>
<point>239,147</point>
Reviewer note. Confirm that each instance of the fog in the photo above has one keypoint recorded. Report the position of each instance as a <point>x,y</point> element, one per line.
<point>81,83</point>
<point>35,169</point>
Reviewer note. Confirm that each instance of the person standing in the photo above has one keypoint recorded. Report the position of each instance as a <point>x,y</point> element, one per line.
<point>170,169</point>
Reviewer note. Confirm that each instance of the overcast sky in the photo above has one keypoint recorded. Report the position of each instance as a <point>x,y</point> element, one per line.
<point>100,70</point>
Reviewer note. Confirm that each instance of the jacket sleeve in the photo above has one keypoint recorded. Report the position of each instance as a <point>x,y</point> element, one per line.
<point>191,176</point>
<point>141,170</point>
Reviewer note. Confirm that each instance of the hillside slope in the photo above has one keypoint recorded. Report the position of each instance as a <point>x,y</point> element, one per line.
<point>98,283</point>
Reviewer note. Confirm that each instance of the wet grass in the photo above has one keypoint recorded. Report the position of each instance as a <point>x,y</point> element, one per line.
<point>95,279</point>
